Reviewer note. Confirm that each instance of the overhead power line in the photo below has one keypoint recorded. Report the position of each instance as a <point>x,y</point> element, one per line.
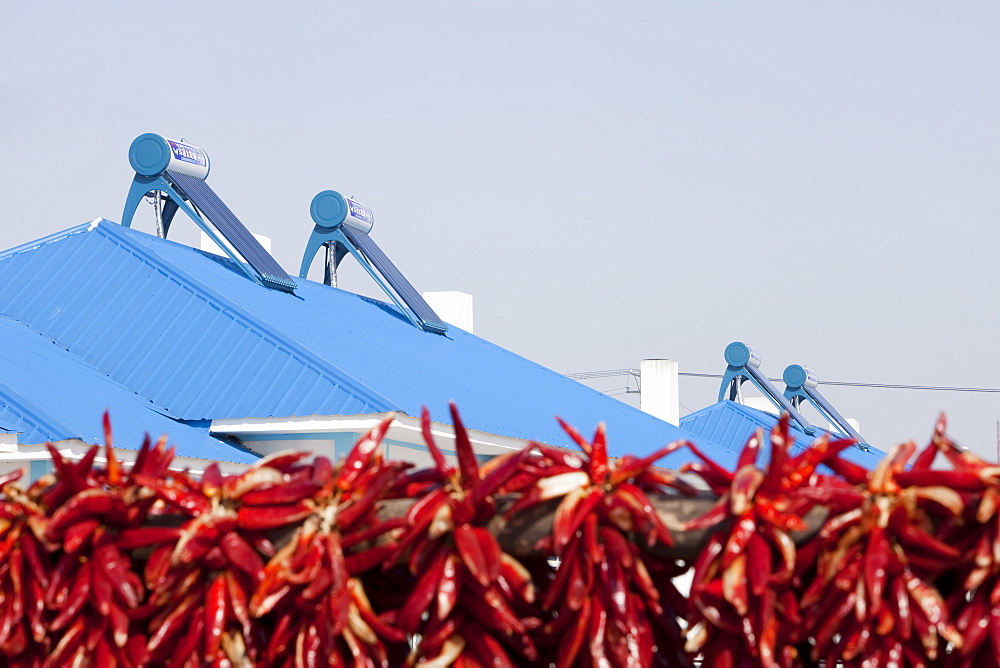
<point>603,374</point>
<point>588,375</point>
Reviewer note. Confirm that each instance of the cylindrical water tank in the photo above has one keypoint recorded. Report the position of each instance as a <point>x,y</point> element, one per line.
<point>796,376</point>
<point>151,155</point>
<point>740,354</point>
<point>330,209</point>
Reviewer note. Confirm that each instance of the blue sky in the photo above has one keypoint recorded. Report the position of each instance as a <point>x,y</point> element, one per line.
<point>611,183</point>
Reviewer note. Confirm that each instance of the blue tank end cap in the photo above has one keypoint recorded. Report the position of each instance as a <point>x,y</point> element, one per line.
<point>795,376</point>
<point>149,154</point>
<point>738,354</point>
<point>328,209</point>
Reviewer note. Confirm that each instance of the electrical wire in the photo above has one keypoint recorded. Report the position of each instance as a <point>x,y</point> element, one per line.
<point>587,375</point>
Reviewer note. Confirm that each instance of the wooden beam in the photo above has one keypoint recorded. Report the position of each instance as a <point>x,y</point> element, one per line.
<point>519,534</point>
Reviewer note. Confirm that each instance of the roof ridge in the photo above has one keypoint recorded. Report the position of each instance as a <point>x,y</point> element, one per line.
<point>115,232</point>
<point>57,236</point>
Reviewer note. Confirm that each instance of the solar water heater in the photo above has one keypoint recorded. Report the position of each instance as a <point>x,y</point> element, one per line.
<point>178,170</point>
<point>342,226</point>
<point>743,365</point>
<point>801,385</point>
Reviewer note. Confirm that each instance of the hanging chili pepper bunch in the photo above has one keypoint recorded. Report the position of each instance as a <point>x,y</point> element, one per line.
<point>969,539</point>
<point>24,626</point>
<point>80,588</point>
<point>873,596</point>
<point>311,594</point>
<point>744,604</point>
<point>471,604</point>
<point>609,601</point>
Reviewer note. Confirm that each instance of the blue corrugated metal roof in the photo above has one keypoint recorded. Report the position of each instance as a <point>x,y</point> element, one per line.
<point>188,331</point>
<point>496,390</point>
<point>731,424</point>
<point>49,394</point>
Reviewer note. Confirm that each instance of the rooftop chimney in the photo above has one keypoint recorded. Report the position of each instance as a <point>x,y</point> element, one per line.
<point>210,246</point>
<point>659,392</point>
<point>760,403</point>
<point>455,308</point>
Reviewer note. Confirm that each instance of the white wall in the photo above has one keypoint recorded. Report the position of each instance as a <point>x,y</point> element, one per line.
<point>26,455</point>
<point>333,436</point>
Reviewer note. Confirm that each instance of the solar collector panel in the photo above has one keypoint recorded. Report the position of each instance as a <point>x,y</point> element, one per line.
<point>367,246</point>
<point>833,414</point>
<point>235,232</point>
<point>785,404</point>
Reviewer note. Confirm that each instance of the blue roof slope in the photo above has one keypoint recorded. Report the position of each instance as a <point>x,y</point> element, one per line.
<point>48,394</point>
<point>165,334</point>
<point>730,424</point>
<point>188,331</point>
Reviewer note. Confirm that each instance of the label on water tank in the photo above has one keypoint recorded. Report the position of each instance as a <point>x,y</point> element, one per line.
<point>360,211</point>
<point>192,155</point>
